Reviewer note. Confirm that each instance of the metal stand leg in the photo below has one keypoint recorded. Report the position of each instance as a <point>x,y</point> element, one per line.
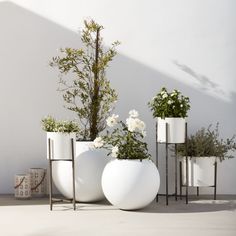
<point>197,191</point>
<point>186,146</point>
<point>73,172</point>
<point>167,194</point>
<point>187,180</point>
<point>180,180</point>
<point>50,173</point>
<point>215,180</point>
<point>157,156</point>
<point>176,172</point>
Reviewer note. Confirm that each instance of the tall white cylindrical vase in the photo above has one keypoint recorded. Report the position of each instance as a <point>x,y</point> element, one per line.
<point>60,145</point>
<point>176,130</point>
<point>200,171</point>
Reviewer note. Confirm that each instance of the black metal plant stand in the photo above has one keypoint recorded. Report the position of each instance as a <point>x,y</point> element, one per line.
<point>176,164</point>
<point>198,187</point>
<point>53,200</point>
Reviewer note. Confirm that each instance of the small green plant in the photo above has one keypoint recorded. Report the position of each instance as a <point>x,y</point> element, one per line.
<point>49,124</point>
<point>207,143</point>
<point>123,142</point>
<point>172,104</point>
<point>83,82</point>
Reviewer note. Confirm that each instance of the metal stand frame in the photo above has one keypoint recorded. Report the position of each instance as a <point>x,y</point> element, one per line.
<point>51,160</point>
<point>176,164</point>
<point>198,188</point>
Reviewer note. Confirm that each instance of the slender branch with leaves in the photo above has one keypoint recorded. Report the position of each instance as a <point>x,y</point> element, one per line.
<point>83,82</point>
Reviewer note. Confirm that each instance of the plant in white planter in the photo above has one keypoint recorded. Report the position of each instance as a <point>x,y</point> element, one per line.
<point>205,147</point>
<point>60,133</point>
<point>170,108</point>
<point>87,92</point>
<point>131,181</point>
<point>83,81</point>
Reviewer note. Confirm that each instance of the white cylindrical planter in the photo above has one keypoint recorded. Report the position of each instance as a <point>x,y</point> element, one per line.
<point>130,184</point>
<point>200,171</point>
<point>89,165</point>
<point>22,186</point>
<point>176,130</point>
<point>38,181</point>
<point>60,145</point>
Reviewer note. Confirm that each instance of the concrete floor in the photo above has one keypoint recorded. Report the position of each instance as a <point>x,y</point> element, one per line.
<point>199,217</point>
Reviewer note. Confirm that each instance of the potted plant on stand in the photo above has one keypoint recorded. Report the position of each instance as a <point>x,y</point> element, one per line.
<point>87,92</point>
<point>60,132</point>
<point>205,148</point>
<point>59,136</point>
<point>131,181</point>
<point>170,108</point>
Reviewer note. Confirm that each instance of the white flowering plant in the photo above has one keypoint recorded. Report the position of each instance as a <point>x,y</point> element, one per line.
<point>124,140</point>
<point>169,104</point>
<point>50,124</point>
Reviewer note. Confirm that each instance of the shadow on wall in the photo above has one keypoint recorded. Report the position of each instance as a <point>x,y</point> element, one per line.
<point>203,81</point>
<point>28,91</point>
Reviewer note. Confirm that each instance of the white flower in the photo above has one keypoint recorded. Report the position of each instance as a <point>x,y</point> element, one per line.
<point>114,151</point>
<point>112,120</point>
<point>170,102</point>
<point>140,125</point>
<point>135,124</point>
<point>133,114</point>
<point>144,133</point>
<point>164,95</point>
<point>131,123</point>
<point>98,142</point>
<point>181,105</point>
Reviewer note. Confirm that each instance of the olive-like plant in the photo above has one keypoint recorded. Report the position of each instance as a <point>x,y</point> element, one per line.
<point>207,143</point>
<point>83,82</point>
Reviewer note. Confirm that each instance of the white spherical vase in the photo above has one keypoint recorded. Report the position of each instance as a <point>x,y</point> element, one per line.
<point>89,165</point>
<point>130,184</point>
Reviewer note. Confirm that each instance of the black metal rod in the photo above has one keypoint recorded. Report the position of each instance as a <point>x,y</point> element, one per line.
<point>156,154</point>
<point>50,173</point>
<point>167,164</point>
<point>215,180</point>
<point>73,171</point>
<point>186,146</point>
<point>180,180</point>
<point>187,179</point>
<point>197,191</point>
<point>176,193</point>
<point>53,160</point>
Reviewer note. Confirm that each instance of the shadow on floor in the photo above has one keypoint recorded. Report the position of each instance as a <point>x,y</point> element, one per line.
<point>201,204</point>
